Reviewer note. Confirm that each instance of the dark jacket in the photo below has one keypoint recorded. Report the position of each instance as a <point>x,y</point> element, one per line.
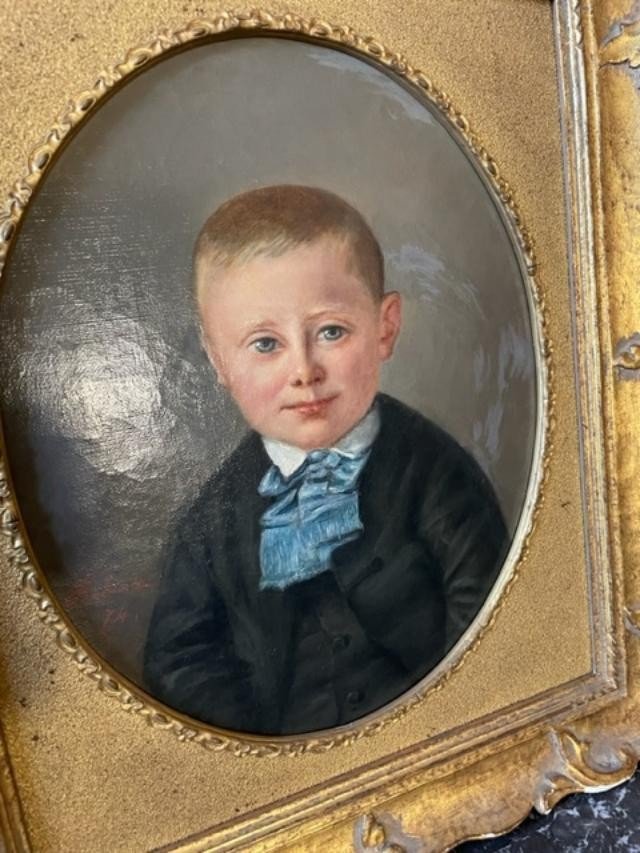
<point>328,650</point>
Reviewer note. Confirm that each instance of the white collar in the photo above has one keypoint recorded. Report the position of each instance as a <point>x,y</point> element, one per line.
<point>289,458</point>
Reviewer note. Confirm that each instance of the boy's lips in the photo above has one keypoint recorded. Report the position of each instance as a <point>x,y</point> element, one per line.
<point>312,407</point>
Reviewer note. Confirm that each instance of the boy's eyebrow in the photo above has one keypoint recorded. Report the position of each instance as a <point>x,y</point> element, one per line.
<point>257,326</point>
<point>266,324</point>
<point>332,308</point>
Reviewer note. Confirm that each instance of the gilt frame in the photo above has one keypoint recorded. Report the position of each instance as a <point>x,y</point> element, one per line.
<point>446,790</point>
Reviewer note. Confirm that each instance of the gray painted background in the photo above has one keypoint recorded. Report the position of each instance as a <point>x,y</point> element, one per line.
<point>111,415</point>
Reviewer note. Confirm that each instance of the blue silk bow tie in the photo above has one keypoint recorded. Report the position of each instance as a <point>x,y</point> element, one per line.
<point>315,510</point>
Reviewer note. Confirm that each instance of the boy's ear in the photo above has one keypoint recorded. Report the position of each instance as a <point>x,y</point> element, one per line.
<point>390,322</point>
<point>214,358</point>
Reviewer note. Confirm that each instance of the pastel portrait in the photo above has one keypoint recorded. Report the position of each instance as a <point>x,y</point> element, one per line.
<point>270,388</point>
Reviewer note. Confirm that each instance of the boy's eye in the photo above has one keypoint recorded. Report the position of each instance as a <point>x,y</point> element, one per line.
<point>332,333</point>
<point>264,345</point>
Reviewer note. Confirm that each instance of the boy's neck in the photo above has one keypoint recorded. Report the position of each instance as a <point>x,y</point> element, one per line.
<point>288,458</point>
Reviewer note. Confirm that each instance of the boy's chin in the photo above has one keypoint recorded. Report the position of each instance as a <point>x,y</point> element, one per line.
<point>314,431</point>
<point>310,439</point>
<point>315,436</point>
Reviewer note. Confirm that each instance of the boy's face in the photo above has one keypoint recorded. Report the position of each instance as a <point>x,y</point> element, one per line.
<point>299,340</point>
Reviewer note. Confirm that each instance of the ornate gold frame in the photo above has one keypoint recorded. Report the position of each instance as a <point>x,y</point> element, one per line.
<point>449,787</point>
<point>231,25</point>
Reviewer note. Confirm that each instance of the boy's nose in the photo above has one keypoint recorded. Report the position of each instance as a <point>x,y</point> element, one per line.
<point>306,370</point>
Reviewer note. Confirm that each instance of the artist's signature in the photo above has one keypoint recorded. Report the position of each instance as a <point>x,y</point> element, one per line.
<point>112,596</point>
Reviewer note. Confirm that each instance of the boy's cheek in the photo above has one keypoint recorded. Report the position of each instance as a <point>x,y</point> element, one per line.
<point>363,367</point>
<point>256,393</point>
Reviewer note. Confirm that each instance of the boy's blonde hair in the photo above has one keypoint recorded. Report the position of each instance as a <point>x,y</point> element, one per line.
<point>270,221</point>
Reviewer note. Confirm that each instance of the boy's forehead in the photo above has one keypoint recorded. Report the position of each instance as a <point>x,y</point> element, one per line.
<point>315,262</point>
<point>321,248</point>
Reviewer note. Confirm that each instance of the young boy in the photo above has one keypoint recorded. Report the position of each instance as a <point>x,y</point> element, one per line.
<point>347,543</point>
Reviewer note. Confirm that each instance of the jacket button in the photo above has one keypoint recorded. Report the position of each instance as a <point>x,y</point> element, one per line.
<point>340,642</point>
<point>376,564</point>
<point>354,697</point>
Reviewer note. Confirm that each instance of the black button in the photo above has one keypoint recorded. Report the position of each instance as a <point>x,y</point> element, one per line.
<point>354,697</point>
<point>340,642</point>
<point>376,564</point>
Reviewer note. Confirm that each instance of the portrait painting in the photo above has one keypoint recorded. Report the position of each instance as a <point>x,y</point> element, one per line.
<point>272,387</point>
